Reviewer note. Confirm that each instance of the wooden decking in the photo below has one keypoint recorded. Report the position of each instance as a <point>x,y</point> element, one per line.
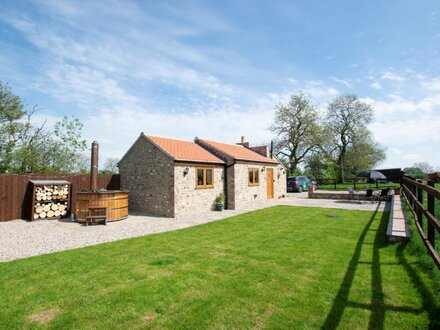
<point>398,226</point>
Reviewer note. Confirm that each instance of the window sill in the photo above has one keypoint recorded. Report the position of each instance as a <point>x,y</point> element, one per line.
<point>204,187</point>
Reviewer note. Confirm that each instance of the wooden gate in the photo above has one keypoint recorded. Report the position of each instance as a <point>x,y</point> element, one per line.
<point>269,180</point>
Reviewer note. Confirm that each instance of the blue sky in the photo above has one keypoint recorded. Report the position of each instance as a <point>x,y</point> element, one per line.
<point>216,69</point>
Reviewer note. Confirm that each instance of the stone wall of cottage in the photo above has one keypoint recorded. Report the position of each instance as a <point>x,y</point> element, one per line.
<point>189,199</point>
<point>230,189</point>
<point>148,174</point>
<point>246,195</point>
<point>280,184</point>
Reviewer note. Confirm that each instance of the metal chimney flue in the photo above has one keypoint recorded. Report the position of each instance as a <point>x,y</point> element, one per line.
<point>94,167</point>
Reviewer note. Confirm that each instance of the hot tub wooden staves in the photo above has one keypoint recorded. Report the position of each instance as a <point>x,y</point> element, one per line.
<point>116,202</point>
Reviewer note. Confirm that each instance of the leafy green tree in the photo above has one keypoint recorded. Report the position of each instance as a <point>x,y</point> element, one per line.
<point>362,154</point>
<point>315,166</point>
<point>319,166</point>
<point>26,148</point>
<point>11,129</point>
<point>68,144</point>
<point>419,170</point>
<point>414,172</point>
<point>297,129</point>
<point>347,120</point>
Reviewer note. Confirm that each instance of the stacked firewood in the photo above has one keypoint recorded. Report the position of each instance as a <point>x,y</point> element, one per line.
<point>51,201</point>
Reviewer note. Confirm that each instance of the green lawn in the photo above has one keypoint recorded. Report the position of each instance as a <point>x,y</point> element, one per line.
<point>282,267</point>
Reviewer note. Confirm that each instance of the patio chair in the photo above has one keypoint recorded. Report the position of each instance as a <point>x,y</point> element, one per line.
<point>384,194</point>
<point>369,195</point>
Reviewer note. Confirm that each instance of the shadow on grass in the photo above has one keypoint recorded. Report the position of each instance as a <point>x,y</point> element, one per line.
<point>377,305</point>
<point>341,300</point>
<point>428,301</point>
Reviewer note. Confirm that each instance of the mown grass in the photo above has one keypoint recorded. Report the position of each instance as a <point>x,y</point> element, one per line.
<point>282,267</point>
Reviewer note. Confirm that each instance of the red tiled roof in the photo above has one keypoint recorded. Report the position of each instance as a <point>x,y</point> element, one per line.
<point>184,150</point>
<point>238,152</point>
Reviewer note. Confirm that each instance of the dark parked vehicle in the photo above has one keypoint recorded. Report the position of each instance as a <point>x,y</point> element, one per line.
<point>297,183</point>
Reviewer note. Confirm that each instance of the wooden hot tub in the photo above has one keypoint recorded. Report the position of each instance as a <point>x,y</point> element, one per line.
<point>116,202</point>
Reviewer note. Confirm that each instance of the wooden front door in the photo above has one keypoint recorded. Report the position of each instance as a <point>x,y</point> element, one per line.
<point>269,180</point>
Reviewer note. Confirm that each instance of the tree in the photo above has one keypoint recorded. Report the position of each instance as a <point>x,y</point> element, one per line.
<point>111,165</point>
<point>297,129</point>
<point>26,148</point>
<point>425,167</point>
<point>414,172</point>
<point>363,153</point>
<point>347,120</point>
<point>316,166</point>
<point>68,144</point>
<point>11,111</point>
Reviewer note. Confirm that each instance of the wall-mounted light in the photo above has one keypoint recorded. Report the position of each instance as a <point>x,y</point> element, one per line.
<point>185,171</point>
<point>263,168</point>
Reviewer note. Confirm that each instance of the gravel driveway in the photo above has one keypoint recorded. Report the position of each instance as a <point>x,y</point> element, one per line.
<point>21,239</point>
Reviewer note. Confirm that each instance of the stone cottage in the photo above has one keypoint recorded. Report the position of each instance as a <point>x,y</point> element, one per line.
<point>171,177</point>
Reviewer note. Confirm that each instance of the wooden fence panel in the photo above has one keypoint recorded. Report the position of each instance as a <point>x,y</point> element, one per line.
<point>413,193</point>
<point>15,192</point>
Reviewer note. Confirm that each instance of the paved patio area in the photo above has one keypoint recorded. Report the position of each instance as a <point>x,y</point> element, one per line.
<point>21,239</point>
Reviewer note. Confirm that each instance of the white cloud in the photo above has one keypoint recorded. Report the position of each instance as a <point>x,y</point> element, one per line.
<point>409,140</point>
<point>376,85</point>
<point>155,54</point>
<point>116,129</point>
<point>346,82</point>
<point>430,84</point>
<point>388,75</point>
<point>319,90</point>
<point>83,86</point>
<point>396,104</point>
<point>408,128</point>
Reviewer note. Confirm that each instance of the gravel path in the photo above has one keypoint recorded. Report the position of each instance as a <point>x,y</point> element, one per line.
<point>21,239</point>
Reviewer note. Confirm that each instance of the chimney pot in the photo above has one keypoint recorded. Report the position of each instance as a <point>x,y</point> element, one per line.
<point>242,139</point>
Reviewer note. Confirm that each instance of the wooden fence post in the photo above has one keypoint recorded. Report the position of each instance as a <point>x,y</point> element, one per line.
<point>431,209</point>
<point>419,209</point>
<point>414,192</point>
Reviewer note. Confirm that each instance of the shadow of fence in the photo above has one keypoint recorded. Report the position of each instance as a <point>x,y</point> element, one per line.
<point>377,306</point>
